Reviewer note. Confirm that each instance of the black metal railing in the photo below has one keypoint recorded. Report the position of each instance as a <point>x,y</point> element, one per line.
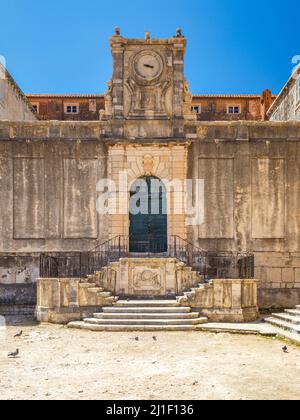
<point>62,265</point>
<point>212,264</point>
<point>225,265</point>
<point>209,264</point>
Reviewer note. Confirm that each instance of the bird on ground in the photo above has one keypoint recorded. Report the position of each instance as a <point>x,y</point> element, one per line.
<point>285,349</point>
<point>14,354</point>
<point>137,339</point>
<point>19,335</point>
<point>154,338</point>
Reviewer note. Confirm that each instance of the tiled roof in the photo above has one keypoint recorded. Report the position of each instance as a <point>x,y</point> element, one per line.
<point>230,96</point>
<point>101,96</point>
<point>47,95</point>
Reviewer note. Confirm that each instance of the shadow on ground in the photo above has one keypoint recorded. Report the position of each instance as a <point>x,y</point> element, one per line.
<point>25,321</point>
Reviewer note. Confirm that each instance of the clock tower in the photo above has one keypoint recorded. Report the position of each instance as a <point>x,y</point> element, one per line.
<point>148,85</point>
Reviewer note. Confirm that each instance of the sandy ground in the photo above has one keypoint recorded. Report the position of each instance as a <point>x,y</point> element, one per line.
<point>57,363</point>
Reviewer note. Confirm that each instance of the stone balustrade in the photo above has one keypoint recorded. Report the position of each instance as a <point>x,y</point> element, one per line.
<point>225,300</point>
<point>63,300</point>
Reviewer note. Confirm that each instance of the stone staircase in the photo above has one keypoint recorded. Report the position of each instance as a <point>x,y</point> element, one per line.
<point>287,323</point>
<point>142,315</point>
<point>99,292</point>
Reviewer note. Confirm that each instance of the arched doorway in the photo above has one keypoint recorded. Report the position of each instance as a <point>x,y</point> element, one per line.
<point>148,216</point>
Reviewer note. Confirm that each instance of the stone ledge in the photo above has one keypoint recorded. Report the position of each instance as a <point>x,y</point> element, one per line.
<point>64,315</point>
<point>231,315</point>
<point>203,131</point>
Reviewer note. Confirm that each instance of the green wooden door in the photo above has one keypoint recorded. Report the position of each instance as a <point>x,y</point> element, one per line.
<point>149,229</point>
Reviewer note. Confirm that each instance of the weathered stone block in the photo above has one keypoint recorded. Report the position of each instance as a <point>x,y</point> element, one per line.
<point>288,275</point>
<point>275,275</point>
<point>225,300</point>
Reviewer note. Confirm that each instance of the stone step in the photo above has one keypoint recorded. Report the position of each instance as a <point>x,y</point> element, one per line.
<point>88,285</point>
<point>292,336</point>
<point>104,294</point>
<point>144,315</point>
<point>141,309</point>
<point>294,312</point>
<point>288,326</point>
<point>147,303</point>
<point>130,328</point>
<point>95,289</point>
<point>298,307</point>
<point>144,322</point>
<point>111,300</point>
<point>288,318</point>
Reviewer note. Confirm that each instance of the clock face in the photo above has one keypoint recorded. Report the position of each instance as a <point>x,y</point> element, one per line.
<point>148,65</point>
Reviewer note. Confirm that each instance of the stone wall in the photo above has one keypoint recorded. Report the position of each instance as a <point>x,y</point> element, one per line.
<point>49,172</point>
<point>48,181</point>
<point>252,200</point>
<point>286,107</point>
<point>14,105</point>
<point>17,299</point>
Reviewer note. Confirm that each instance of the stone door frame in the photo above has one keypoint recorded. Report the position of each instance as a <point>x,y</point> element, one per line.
<point>167,162</point>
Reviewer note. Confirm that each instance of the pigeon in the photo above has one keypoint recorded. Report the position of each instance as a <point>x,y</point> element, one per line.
<point>19,335</point>
<point>154,339</point>
<point>137,339</point>
<point>14,354</point>
<point>285,349</point>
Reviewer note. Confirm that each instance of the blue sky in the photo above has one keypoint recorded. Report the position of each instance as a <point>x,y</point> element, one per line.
<point>234,46</point>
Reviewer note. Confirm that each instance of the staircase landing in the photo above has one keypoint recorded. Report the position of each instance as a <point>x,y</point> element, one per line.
<point>143,315</point>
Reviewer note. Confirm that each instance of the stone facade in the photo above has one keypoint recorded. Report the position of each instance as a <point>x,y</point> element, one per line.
<point>167,161</point>
<point>217,107</point>
<point>244,165</point>
<point>14,105</point>
<point>287,105</point>
<point>204,107</point>
<point>50,173</point>
<point>55,107</point>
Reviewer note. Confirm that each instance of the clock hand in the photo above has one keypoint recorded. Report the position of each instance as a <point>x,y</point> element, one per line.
<point>149,66</point>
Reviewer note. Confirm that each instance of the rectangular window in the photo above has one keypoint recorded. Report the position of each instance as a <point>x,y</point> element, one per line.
<point>197,109</point>
<point>233,110</point>
<point>71,108</point>
<point>36,107</point>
